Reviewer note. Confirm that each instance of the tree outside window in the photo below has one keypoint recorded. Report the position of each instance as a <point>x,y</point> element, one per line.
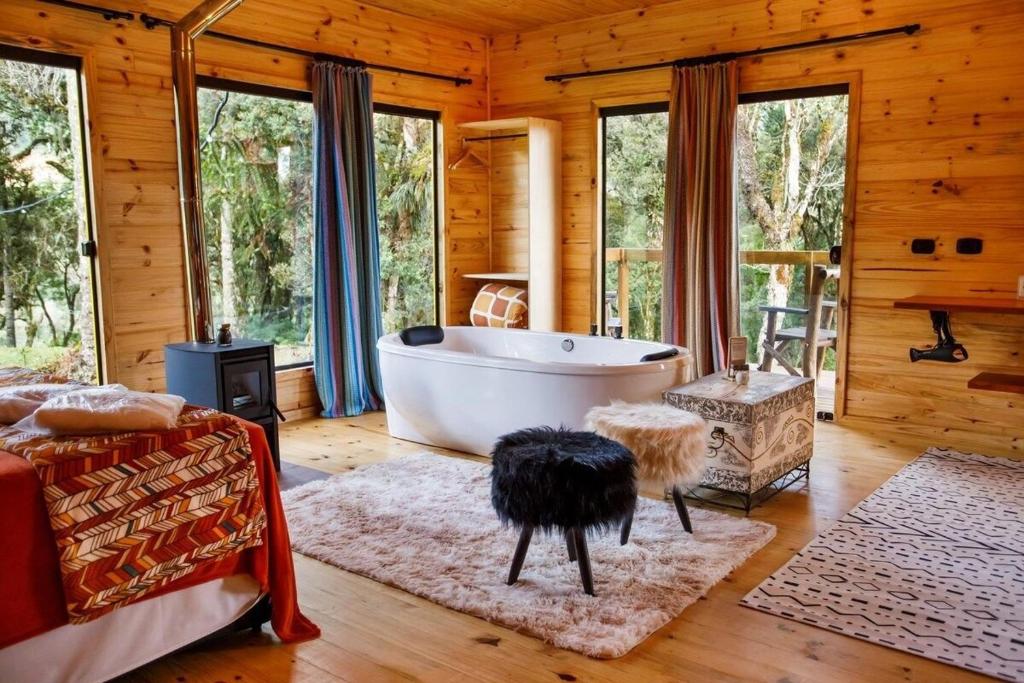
<point>46,306</point>
<point>257,199</point>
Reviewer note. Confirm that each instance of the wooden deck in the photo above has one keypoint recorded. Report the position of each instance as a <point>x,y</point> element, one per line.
<point>824,390</point>
<point>375,633</point>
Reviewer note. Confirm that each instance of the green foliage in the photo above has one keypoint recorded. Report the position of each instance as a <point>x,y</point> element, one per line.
<point>404,148</point>
<point>257,202</point>
<point>42,276</point>
<point>635,151</point>
<point>778,212</point>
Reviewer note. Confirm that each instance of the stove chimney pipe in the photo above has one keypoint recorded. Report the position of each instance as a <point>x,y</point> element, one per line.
<point>183,69</point>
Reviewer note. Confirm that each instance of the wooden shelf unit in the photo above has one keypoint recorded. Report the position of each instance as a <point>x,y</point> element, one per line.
<point>525,210</point>
<point>997,381</point>
<point>955,304</point>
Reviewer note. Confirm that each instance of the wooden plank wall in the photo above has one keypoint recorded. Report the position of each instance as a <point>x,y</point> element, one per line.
<point>131,120</point>
<point>510,206</point>
<point>941,154</point>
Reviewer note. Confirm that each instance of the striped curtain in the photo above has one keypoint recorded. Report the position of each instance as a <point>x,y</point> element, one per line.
<point>346,270</point>
<point>701,273</point>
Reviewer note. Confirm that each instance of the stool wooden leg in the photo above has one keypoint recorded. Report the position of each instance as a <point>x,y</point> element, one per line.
<point>684,516</point>
<point>583,560</point>
<point>517,560</point>
<point>570,544</point>
<point>627,525</point>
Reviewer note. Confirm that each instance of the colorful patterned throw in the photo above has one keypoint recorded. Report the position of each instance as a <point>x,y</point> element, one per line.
<point>133,512</point>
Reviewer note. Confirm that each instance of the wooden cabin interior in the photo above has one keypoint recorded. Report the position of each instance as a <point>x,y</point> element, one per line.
<point>737,233</point>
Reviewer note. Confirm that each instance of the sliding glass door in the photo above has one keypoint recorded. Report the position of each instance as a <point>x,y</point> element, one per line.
<point>634,143</point>
<point>47,254</point>
<point>790,187</point>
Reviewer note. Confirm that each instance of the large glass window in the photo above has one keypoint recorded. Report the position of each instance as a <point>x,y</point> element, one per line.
<point>405,145</point>
<point>635,145</point>
<point>47,307</point>
<point>257,168</point>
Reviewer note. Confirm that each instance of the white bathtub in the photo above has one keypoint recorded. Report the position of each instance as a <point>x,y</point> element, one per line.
<point>480,383</point>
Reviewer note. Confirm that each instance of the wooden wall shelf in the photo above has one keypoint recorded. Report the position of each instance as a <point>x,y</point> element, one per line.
<point>511,277</point>
<point>951,304</point>
<point>997,381</point>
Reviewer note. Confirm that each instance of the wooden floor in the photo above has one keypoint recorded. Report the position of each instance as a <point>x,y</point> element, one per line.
<point>375,633</point>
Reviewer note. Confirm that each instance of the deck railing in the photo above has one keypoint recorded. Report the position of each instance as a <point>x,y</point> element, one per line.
<point>620,258</point>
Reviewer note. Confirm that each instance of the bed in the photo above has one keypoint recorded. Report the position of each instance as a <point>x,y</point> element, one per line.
<point>59,624</point>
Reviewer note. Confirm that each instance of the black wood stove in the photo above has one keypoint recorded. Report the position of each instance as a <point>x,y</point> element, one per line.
<point>236,379</point>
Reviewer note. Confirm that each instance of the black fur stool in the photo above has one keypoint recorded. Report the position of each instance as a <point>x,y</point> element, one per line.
<point>563,480</point>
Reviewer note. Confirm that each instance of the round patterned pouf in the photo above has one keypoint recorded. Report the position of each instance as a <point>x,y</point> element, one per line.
<point>670,446</point>
<point>563,480</point>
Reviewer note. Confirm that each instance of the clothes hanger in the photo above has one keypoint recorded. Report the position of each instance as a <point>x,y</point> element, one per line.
<point>468,154</point>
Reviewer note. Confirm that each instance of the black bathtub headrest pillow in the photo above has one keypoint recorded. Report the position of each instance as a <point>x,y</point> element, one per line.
<point>660,355</point>
<point>422,334</point>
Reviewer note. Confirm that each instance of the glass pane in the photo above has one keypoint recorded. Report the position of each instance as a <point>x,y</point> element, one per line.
<point>790,170</point>
<point>257,183</point>
<point>404,146</point>
<point>47,320</point>
<point>634,198</point>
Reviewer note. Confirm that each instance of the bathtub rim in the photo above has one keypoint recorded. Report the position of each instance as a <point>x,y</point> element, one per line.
<point>391,344</point>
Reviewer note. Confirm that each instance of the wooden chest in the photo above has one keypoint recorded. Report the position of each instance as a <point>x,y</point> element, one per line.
<point>760,431</point>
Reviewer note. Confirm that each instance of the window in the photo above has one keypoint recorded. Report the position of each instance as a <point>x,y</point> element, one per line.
<point>634,141</point>
<point>257,168</point>
<point>790,185</point>
<point>47,302</point>
<point>406,149</point>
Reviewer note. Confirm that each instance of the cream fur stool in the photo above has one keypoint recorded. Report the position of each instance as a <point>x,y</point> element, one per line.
<point>669,444</point>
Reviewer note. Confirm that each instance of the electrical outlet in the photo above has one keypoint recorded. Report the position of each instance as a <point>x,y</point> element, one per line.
<point>1020,287</point>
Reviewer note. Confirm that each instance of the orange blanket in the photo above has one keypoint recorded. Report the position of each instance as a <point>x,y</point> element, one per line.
<point>32,596</point>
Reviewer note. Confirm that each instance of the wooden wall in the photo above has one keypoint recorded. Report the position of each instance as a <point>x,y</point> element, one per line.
<point>510,206</point>
<point>941,154</point>
<point>131,120</point>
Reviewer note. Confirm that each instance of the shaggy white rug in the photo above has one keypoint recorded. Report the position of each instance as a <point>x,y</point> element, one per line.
<point>424,523</point>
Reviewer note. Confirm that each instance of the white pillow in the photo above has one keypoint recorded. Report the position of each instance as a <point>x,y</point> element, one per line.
<point>102,410</point>
<point>18,402</point>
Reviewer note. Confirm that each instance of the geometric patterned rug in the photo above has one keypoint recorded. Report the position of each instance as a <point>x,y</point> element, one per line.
<point>931,563</point>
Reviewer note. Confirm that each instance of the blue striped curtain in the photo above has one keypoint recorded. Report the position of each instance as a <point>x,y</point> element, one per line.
<point>346,271</point>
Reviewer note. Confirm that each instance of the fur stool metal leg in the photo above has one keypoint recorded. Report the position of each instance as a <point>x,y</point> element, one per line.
<point>627,525</point>
<point>684,516</point>
<point>583,560</point>
<point>520,555</point>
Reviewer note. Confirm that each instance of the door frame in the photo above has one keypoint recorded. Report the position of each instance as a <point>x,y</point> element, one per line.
<point>852,80</point>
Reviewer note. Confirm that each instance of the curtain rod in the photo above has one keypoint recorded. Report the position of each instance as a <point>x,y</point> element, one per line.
<point>106,13</point>
<point>908,29</point>
<point>151,22</point>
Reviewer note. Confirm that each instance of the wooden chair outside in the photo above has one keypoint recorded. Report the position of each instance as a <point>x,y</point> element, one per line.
<point>817,334</point>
